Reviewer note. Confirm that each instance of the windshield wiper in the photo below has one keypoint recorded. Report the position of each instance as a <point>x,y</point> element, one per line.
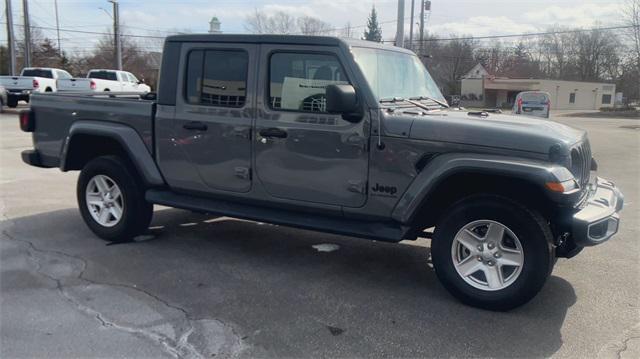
<point>418,98</point>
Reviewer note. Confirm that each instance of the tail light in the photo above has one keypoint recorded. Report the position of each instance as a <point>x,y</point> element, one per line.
<point>519,105</point>
<point>27,121</point>
<point>36,84</point>
<point>92,85</point>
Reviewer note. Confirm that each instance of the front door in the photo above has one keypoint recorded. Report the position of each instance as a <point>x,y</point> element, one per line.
<point>209,149</point>
<point>303,153</point>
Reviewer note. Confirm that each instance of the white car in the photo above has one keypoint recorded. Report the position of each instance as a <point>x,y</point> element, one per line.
<point>533,103</point>
<point>31,79</point>
<point>100,80</point>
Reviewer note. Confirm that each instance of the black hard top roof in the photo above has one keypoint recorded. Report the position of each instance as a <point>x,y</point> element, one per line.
<point>282,39</point>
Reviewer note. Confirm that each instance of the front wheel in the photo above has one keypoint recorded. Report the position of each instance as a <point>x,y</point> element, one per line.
<point>111,201</point>
<point>491,252</point>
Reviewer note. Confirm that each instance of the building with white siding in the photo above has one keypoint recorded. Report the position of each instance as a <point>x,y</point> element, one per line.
<point>480,89</point>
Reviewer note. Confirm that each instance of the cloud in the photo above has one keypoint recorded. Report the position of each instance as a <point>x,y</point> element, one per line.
<point>584,15</point>
<point>483,25</point>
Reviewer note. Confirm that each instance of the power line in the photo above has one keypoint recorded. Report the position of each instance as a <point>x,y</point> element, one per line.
<point>89,32</point>
<point>526,34</point>
<point>359,26</point>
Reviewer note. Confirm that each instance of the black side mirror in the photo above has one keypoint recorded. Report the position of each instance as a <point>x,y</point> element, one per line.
<point>342,99</point>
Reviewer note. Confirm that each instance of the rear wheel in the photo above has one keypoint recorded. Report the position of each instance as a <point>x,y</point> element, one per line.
<point>491,252</point>
<point>111,201</point>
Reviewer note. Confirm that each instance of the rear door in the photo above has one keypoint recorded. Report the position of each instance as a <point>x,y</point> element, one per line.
<point>302,152</point>
<point>209,145</point>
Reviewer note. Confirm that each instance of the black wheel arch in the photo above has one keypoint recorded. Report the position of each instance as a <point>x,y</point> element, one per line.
<point>91,139</point>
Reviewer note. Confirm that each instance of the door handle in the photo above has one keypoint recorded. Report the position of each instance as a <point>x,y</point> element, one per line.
<point>195,125</point>
<point>273,132</point>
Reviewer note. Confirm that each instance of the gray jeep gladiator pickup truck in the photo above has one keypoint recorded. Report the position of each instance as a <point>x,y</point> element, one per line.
<point>341,136</point>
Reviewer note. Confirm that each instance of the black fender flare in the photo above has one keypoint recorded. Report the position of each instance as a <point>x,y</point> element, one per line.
<point>446,165</point>
<point>127,137</point>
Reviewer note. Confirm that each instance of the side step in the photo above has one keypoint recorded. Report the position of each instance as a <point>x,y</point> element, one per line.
<point>383,231</point>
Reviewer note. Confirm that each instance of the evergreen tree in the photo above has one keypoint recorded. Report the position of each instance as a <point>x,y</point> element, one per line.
<point>373,31</point>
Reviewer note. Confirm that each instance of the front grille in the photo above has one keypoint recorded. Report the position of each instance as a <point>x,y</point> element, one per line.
<point>581,162</point>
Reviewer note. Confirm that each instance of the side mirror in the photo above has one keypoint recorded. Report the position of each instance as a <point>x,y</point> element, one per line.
<point>342,99</point>
<point>140,82</point>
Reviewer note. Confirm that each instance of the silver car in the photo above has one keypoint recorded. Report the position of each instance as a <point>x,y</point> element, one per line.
<point>533,103</point>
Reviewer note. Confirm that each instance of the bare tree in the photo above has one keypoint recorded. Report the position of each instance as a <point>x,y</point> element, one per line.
<point>347,31</point>
<point>312,26</point>
<point>278,23</point>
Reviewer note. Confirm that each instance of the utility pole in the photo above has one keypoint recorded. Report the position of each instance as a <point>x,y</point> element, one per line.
<point>27,34</point>
<point>11,39</point>
<point>413,6</point>
<point>55,2</point>
<point>400,27</point>
<point>116,33</point>
<point>421,51</point>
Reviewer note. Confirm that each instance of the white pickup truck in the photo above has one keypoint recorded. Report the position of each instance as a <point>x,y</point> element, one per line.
<point>32,79</point>
<point>99,80</point>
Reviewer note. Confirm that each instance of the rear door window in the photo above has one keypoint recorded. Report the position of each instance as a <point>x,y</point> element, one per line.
<point>217,77</point>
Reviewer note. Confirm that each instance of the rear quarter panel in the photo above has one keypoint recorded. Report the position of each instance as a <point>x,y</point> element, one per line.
<point>55,113</point>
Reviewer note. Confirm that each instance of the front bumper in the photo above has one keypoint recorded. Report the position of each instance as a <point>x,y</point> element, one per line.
<point>598,220</point>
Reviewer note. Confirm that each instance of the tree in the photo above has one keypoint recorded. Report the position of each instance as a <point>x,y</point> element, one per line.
<point>278,23</point>
<point>373,31</point>
<point>312,26</point>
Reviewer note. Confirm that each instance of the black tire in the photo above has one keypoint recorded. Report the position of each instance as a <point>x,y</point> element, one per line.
<point>136,212</point>
<point>532,232</point>
<point>12,102</point>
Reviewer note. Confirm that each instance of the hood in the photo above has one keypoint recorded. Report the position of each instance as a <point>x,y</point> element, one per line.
<point>520,133</point>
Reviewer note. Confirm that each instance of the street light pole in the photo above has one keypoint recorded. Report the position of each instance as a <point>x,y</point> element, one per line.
<point>413,5</point>
<point>11,39</point>
<point>421,28</point>
<point>400,27</point>
<point>55,2</point>
<point>116,33</point>
<point>27,34</point>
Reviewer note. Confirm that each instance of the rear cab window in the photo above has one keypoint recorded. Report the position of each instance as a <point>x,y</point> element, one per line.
<point>38,73</point>
<point>297,80</point>
<point>103,75</point>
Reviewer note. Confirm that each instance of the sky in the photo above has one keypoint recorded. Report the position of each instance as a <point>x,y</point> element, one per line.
<point>448,17</point>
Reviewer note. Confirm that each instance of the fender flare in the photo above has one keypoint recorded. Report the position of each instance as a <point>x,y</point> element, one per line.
<point>127,137</point>
<point>443,166</point>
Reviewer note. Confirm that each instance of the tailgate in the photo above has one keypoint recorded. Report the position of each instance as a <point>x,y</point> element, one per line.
<point>16,82</point>
<point>75,84</point>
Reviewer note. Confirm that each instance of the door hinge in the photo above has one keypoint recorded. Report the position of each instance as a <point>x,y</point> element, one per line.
<point>243,172</point>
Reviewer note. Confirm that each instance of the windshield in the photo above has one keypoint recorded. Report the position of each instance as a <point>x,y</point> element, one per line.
<point>395,74</point>
<point>37,73</point>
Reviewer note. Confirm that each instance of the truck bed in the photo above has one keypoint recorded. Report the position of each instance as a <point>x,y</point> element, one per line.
<point>56,113</point>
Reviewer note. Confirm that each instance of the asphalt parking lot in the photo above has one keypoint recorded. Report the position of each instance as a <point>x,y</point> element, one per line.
<point>200,286</point>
